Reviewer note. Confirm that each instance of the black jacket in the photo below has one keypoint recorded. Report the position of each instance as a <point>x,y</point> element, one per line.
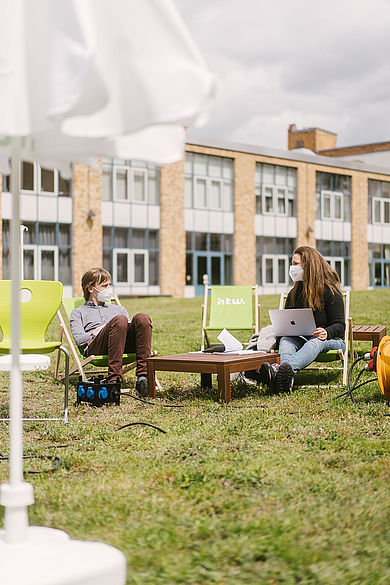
<point>331,317</point>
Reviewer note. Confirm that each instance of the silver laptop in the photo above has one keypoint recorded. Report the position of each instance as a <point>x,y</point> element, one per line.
<point>292,322</point>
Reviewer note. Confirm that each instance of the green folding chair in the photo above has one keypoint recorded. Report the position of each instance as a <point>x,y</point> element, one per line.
<point>39,302</point>
<point>99,361</point>
<point>235,308</point>
<point>333,356</point>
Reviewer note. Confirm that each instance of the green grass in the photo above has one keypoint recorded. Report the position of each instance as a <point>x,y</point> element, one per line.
<point>227,496</point>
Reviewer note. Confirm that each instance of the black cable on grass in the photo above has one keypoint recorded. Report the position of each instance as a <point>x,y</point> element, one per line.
<point>142,423</point>
<point>57,462</point>
<point>344,395</point>
<point>184,405</point>
<point>152,403</point>
<point>243,406</point>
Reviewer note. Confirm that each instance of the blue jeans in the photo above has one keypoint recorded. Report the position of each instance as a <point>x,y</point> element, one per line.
<point>299,352</point>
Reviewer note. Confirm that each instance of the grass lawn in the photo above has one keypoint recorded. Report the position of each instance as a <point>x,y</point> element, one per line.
<point>278,492</point>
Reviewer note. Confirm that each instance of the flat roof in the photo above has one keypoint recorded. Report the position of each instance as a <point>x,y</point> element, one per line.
<point>331,161</point>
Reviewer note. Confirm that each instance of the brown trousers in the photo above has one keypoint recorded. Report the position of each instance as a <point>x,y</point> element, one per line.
<point>119,336</point>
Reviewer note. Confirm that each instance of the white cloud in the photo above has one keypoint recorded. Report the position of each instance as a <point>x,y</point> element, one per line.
<point>313,63</point>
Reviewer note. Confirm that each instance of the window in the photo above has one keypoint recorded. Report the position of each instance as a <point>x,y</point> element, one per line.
<point>107,183</point>
<point>64,186</point>
<point>47,234</point>
<point>47,181</point>
<point>378,202</point>
<point>333,197</point>
<point>139,185</point>
<point>272,260</point>
<point>37,179</point>
<point>121,184</point>
<point>133,181</point>
<point>6,181</point>
<point>47,251</point>
<point>121,237</point>
<point>139,238</point>
<point>275,190</point>
<point>211,254</point>
<point>130,267</point>
<point>132,255</point>
<point>331,205</point>
<point>153,188</point>
<point>27,179</point>
<point>51,182</point>
<point>379,265</point>
<point>208,182</point>
<point>338,255</point>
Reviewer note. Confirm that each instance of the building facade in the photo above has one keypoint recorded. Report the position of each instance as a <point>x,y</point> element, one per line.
<point>230,211</point>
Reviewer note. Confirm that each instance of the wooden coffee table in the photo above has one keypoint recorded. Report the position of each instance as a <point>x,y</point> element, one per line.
<point>207,364</point>
<point>373,333</point>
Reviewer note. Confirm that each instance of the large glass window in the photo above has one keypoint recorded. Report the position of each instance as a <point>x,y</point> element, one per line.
<point>27,179</point>
<point>333,197</point>
<point>211,254</point>
<point>47,251</point>
<point>338,255</point>
<point>133,181</point>
<point>47,180</point>
<point>378,202</point>
<point>272,260</point>
<point>276,190</point>
<point>132,255</point>
<point>379,265</point>
<point>208,182</point>
<point>37,179</point>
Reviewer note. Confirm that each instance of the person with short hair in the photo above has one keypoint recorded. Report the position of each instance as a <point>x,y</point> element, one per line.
<point>316,286</point>
<point>100,328</point>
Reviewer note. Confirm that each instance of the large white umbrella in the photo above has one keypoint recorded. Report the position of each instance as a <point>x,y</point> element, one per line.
<point>81,79</point>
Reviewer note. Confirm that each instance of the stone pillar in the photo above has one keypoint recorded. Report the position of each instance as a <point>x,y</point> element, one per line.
<point>172,230</point>
<point>87,222</point>
<point>359,245</point>
<point>306,205</point>
<point>244,220</point>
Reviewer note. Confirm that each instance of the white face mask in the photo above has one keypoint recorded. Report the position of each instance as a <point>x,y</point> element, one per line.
<point>296,272</point>
<point>105,295</point>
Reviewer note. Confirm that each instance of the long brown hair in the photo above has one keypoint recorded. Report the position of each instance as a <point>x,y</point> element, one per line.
<point>316,275</point>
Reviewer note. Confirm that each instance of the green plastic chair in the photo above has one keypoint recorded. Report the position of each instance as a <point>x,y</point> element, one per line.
<point>334,356</point>
<point>99,361</point>
<point>235,308</point>
<point>39,302</point>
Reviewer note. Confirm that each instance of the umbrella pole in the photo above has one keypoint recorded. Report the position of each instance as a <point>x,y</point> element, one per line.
<point>17,494</point>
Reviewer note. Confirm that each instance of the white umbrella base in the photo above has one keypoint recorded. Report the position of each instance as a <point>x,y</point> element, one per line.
<point>26,362</point>
<point>50,557</point>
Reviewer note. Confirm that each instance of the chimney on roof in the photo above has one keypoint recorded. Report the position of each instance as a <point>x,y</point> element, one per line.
<point>314,139</point>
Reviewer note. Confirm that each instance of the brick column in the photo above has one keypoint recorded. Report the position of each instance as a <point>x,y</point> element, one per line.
<point>306,204</point>
<point>87,230</point>
<point>244,220</point>
<point>172,232</point>
<point>359,245</point>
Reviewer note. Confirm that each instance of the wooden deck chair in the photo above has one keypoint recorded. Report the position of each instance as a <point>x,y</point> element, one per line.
<point>334,356</point>
<point>232,307</point>
<point>99,361</point>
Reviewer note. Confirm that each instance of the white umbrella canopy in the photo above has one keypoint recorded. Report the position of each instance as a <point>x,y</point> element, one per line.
<point>86,78</point>
<point>81,79</point>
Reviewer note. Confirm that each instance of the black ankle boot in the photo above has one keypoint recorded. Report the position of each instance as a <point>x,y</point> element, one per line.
<point>284,378</point>
<point>267,374</point>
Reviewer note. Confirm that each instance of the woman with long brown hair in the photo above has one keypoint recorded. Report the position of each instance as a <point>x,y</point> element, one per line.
<point>316,286</point>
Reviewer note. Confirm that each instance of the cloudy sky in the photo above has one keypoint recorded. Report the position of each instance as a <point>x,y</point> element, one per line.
<point>308,62</point>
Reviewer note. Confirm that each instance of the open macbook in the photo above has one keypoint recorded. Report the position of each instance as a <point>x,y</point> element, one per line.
<point>292,321</point>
